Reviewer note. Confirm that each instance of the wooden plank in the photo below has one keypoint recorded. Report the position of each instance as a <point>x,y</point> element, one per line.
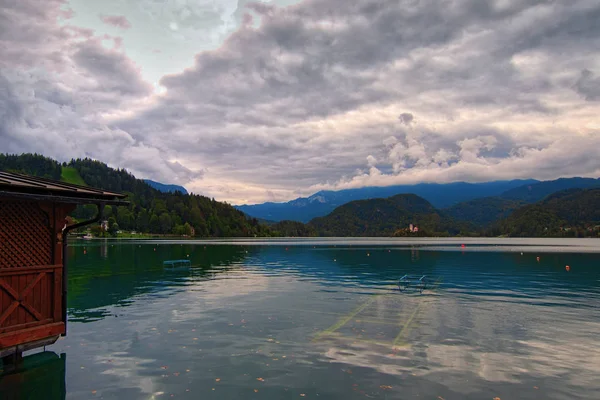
<point>9,315</point>
<point>31,284</point>
<point>13,319</point>
<point>5,300</point>
<point>57,298</point>
<point>45,321</point>
<point>8,311</point>
<point>22,317</point>
<point>25,293</point>
<point>34,313</point>
<point>8,288</point>
<point>28,270</point>
<point>29,335</point>
<point>45,297</point>
<point>35,295</point>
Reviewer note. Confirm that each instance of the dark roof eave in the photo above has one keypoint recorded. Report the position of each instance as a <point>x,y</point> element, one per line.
<point>19,183</point>
<point>64,199</point>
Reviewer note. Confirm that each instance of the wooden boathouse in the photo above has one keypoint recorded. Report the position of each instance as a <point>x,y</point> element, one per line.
<point>33,268</point>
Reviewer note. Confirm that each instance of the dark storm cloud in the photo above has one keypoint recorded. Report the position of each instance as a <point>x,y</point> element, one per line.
<point>10,113</point>
<point>325,93</point>
<point>57,84</point>
<point>406,118</point>
<point>588,85</point>
<point>112,70</point>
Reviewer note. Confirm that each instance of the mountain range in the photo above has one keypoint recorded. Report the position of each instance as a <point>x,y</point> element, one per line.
<point>440,195</point>
<point>165,188</point>
<point>562,207</point>
<point>571,212</point>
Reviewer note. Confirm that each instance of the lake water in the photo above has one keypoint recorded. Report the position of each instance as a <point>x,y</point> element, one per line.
<point>308,318</point>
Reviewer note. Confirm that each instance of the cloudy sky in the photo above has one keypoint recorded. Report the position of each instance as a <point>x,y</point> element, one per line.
<point>267,101</point>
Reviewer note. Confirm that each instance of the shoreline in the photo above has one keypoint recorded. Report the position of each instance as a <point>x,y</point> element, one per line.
<point>524,245</point>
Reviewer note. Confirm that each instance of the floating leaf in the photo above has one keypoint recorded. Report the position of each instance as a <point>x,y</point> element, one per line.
<point>260,379</point>
<point>302,395</point>
<point>255,390</point>
<point>93,392</point>
<point>218,380</point>
<point>385,387</point>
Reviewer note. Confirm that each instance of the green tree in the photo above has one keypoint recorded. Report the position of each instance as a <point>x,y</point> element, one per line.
<point>178,230</point>
<point>154,224</point>
<point>125,218</point>
<point>108,212</point>
<point>142,222</point>
<point>165,223</point>
<point>112,227</point>
<point>147,204</point>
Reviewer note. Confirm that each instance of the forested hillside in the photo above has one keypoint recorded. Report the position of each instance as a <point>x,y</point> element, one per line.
<point>293,229</point>
<point>31,164</point>
<point>386,217</point>
<point>482,212</point>
<point>150,210</point>
<point>574,212</point>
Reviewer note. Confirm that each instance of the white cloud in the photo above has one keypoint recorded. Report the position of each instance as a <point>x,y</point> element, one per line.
<point>309,94</point>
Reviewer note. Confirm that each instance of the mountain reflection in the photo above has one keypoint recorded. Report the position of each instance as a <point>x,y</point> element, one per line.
<point>103,274</point>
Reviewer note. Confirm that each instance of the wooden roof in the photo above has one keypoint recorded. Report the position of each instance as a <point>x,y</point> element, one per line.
<point>19,185</point>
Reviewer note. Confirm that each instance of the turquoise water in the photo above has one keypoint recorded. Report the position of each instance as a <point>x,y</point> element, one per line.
<point>325,319</point>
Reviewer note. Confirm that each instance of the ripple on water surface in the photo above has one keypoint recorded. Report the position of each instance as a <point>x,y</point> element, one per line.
<point>325,318</point>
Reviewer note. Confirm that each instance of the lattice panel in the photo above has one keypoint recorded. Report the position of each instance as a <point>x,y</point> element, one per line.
<point>25,235</point>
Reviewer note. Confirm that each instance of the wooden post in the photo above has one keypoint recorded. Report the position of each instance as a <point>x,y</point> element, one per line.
<point>13,360</point>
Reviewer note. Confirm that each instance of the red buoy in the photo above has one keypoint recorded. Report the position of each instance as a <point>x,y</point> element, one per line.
<point>568,268</point>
